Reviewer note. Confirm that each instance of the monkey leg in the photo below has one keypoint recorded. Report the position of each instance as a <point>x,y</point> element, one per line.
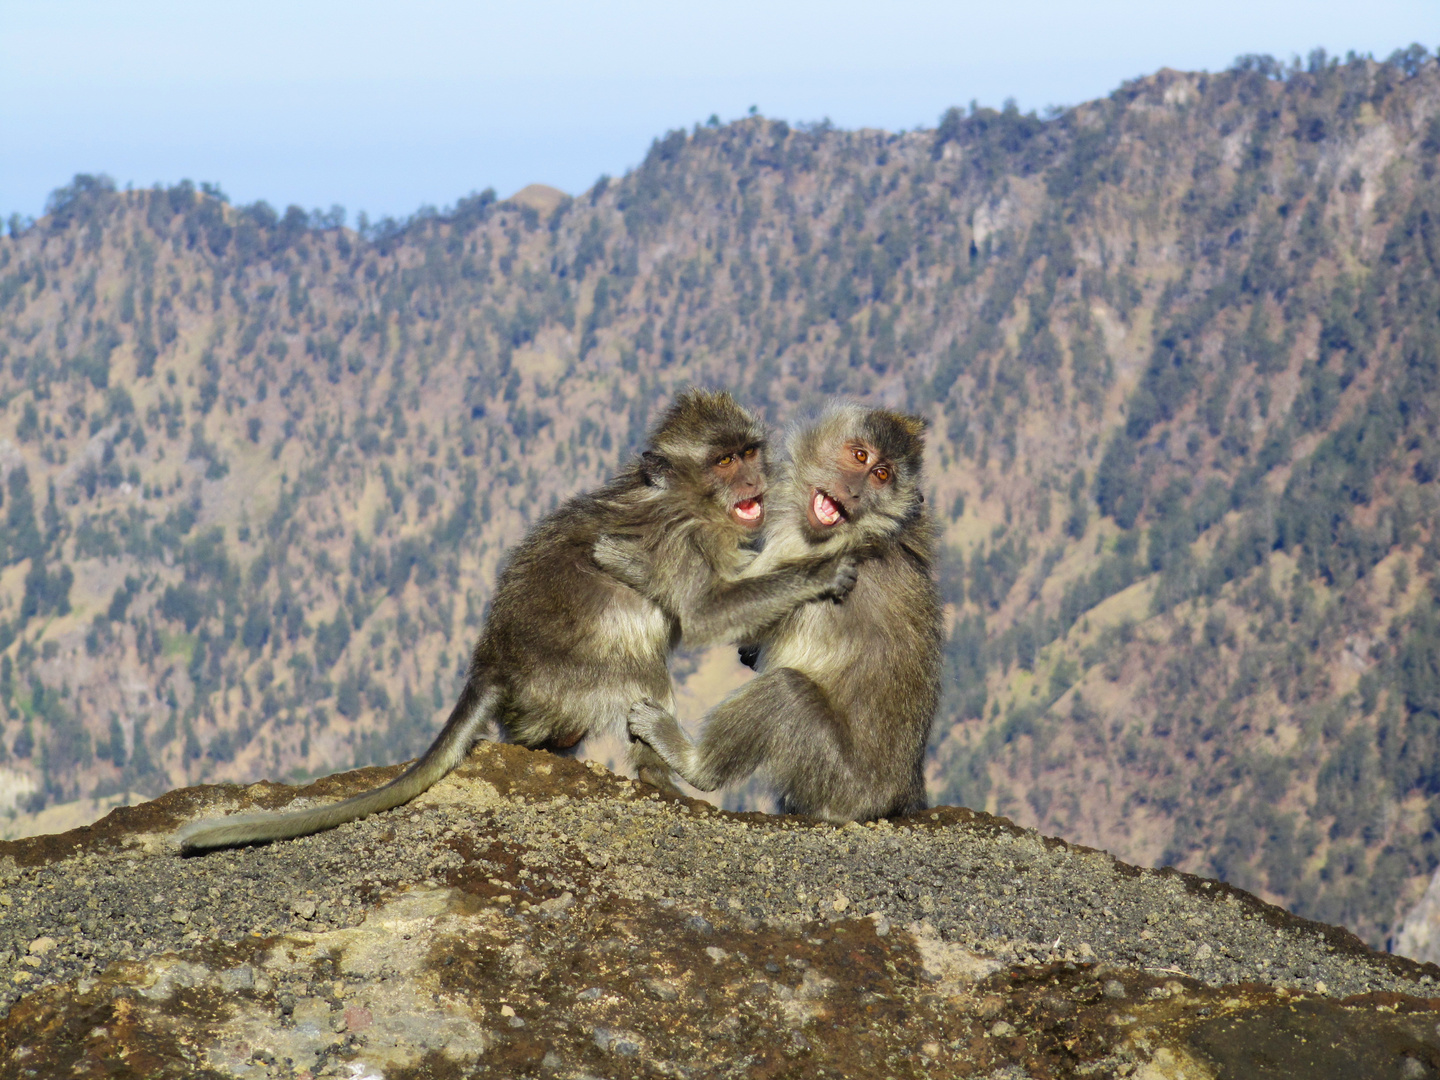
<point>780,721</point>
<point>556,707</point>
<point>551,729</point>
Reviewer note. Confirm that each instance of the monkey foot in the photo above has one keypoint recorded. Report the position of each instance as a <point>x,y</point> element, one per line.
<point>659,776</point>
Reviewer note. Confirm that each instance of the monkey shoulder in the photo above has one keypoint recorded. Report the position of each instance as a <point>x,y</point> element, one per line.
<point>896,566</point>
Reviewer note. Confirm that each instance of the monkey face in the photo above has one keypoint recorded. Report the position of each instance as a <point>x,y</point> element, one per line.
<point>739,479</point>
<point>708,445</point>
<point>855,473</point>
<point>858,477</point>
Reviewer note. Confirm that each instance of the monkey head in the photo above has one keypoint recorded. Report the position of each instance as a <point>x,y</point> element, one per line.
<point>858,472</point>
<point>706,445</point>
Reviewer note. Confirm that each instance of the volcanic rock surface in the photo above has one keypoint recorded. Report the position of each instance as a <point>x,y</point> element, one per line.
<point>538,916</point>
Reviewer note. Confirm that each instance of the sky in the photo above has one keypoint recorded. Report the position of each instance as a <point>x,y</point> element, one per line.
<point>388,107</point>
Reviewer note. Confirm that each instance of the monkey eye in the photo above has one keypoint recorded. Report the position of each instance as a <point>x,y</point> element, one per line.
<point>726,461</point>
<point>751,451</point>
<point>882,474</point>
<point>861,456</point>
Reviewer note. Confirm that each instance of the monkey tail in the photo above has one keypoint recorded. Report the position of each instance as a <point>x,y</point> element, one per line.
<point>468,721</point>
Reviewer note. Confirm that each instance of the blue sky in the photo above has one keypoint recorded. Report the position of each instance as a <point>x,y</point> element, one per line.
<point>386,107</point>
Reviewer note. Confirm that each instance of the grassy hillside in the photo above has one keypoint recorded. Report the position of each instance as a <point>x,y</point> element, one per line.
<point>1179,347</point>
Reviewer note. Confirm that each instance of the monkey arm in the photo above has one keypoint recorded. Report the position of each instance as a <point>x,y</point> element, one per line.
<point>742,609</point>
<point>713,609</point>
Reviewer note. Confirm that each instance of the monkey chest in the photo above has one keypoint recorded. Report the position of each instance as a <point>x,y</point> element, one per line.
<point>815,639</point>
<point>632,626</point>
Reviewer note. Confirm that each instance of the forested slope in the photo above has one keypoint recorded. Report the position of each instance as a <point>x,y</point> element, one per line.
<point>1179,347</point>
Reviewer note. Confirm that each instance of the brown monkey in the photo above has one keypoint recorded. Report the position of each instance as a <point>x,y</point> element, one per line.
<point>567,647</point>
<point>840,712</point>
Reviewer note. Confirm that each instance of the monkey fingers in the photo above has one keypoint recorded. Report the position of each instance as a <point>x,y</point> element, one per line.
<point>622,560</point>
<point>844,574</point>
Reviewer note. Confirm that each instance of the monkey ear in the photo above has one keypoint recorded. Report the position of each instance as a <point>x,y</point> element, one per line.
<point>914,425</point>
<point>656,469</point>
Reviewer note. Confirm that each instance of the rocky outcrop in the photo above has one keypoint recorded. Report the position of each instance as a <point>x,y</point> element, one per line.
<point>537,916</point>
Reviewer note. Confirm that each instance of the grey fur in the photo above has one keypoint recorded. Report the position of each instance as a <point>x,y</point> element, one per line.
<point>840,713</point>
<point>568,646</point>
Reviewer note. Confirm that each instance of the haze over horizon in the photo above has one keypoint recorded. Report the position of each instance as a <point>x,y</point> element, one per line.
<point>375,110</point>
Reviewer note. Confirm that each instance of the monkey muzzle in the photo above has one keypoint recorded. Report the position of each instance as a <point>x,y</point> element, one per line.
<point>749,511</point>
<point>825,510</point>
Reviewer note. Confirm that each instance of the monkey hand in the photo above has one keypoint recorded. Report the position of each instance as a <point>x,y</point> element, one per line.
<point>842,575</point>
<point>622,560</point>
<point>645,720</point>
<point>750,655</point>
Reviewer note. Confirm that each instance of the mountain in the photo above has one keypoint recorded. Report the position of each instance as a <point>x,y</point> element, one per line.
<point>1178,346</point>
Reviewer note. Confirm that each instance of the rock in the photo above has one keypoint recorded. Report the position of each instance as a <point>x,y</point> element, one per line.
<point>241,977</point>
<point>41,945</point>
<point>469,934</point>
<point>557,906</point>
<point>661,991</point>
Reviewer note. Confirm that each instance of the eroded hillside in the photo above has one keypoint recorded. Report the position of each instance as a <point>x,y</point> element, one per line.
<point>1179,347</point>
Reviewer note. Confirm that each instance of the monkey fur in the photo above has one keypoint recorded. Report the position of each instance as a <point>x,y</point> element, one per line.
<point>567,648</point>
<point>840,711</point>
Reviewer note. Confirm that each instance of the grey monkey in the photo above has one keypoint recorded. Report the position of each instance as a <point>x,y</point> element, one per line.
<point>839,714</point>
<point>568,647</point>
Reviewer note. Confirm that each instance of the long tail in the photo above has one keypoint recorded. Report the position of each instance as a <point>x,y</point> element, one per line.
<point>469,718</point>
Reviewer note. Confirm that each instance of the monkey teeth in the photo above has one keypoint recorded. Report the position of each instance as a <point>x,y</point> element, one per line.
<point>826,511</point>
<point>748,509</point>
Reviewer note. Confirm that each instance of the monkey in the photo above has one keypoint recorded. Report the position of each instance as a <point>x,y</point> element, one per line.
<point>839,713</point>
<point>567,647</point>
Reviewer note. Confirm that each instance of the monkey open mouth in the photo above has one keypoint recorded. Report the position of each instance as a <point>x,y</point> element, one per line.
<point>825,511</point>
<point>748,511</point>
